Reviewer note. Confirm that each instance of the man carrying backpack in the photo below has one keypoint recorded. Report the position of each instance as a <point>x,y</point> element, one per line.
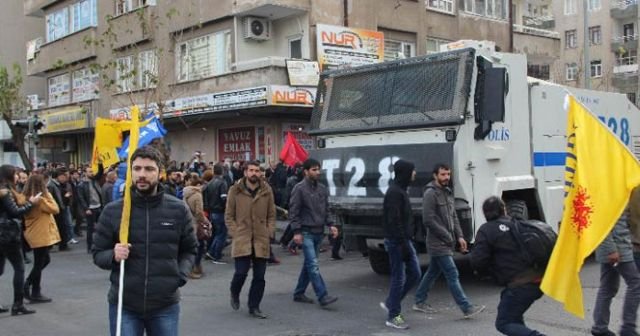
<point>497,249</point>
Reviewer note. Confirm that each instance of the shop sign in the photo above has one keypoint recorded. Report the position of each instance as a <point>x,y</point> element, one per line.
<point>59,90</point>
<point>299,131</point>
<point>283,95</point>
<point>303,73</point>
<point>237,143</point>
<point>64,120</point>
<point>214,102</point>
<point>348,47</point>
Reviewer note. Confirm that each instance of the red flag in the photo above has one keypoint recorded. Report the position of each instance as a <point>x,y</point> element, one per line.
<point>292,152</point>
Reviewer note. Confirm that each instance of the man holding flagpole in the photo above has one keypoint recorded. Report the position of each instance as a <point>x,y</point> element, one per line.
<point>159,251</point>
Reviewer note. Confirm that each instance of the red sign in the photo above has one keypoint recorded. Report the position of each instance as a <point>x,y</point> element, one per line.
<point>237,143</point>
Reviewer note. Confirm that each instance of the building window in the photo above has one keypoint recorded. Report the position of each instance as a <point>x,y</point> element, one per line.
<point>570,7</point>
<point>148,69</point>
<point>570,39</point>
<point>59,90</point>
<point>594,5</point>
<point>572,72</point>
<point>394,50</point>
<point>433,45</point>
<point>126,6</point>
<point>85,85</point>
<point>495,9</point>
<point>628,32</point>
<point>57,24</point>
<point>124,74</point>
<point>204,56</point>
<point>627,58</point>
<point>441,5</point>
<point>85,15</point>
<point>595,35</point>
<point>538,71</point>
<point>596,69</point>
<point>295,48</point>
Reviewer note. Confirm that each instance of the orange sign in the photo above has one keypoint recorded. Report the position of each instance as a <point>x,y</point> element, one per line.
<point>291,96</point>
<point>348,47</point>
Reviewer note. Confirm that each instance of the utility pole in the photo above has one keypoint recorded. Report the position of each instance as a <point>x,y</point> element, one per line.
<point>587,64</point>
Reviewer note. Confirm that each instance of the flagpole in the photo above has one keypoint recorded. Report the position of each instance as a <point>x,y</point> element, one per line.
<point>120,294</point>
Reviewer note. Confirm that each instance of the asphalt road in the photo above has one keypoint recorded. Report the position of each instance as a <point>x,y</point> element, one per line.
<point>79,289</point>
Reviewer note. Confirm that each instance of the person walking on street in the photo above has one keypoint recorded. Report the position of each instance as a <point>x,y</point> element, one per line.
<point>193,198</point>
<point>12,208</point>
<point>40,233</point>
<point>159,256</point>
<point>497,249</point>
<point>308,215</point>
<point>107,187</point>
<point>59,177</point>
<point>443,233</point>
<point>615,255</point>
<point>250,216</point>
<point>215,201</point>
<point>634,223</point>
<point>398,235</point>
<point>91,200</point>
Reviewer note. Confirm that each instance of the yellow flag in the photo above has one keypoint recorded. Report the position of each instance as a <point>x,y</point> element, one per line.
<point>133,145</point>
<point>600,173</point>
<point>108,138</point>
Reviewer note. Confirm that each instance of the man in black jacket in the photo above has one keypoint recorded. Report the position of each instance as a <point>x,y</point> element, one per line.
<point>159,256</point>
<point>215,200</point>
<point>496,249</point>
<point>91,201</point>
<point>398,234</point>
<point>59,177</point>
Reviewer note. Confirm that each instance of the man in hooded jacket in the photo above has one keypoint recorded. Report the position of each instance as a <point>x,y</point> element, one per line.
<point>398,234</point>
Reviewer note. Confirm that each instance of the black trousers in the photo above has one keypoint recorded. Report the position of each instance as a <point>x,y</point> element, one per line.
<point>61,223</point>
<point>13,252</point>
<point>41,259</point>
<point>91,225</point>
<point>243,264</point>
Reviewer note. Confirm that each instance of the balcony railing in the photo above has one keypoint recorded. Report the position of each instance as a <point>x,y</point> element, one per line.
<point>623,4</point>
<point>535,31</point>
<point>626,60</point>
<point>625,38</point>
<point>541,22</point>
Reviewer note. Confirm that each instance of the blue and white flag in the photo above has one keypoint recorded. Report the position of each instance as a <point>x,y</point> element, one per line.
<point>148,133</point>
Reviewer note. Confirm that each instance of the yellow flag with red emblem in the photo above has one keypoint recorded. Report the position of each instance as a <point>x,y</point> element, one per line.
<point>600,173</point>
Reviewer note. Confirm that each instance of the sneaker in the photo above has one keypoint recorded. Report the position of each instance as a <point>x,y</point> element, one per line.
<point>302,298</point>
<point>218,262</point>
<point>72,241</point>
<point>397,322</point>
<point>336,257</point>
<point>235,302</point>
<point>384,307</point>
<point>257,313</point>
<point>208,256</point>
<point>473,311</point>
<point>425,308</point>
<point>603,333</point>
<point>327,300</point>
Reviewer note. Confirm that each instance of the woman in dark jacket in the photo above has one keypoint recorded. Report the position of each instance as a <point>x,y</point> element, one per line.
<point>11,212</point>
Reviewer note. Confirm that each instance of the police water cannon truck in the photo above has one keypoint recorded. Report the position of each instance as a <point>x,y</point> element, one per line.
<point>469,106</point>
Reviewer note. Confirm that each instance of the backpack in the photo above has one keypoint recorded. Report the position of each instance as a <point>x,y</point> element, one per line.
<point>536,240</point>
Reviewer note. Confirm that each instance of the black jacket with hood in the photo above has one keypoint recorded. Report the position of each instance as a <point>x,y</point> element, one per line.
<point>397,214</point>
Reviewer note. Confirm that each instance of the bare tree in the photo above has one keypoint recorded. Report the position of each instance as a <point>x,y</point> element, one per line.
<point>12,105</point>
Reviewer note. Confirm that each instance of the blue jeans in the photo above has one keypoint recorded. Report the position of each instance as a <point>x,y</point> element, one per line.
<point>310,270</point>
<point>163,322</point>
<point>256,292</point>
<point>443,265</point>
<point>405,274</point>
<point>220,235</point>
<point>514,302</point>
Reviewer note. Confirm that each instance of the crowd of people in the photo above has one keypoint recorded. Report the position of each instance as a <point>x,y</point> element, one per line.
<point>194,210</point>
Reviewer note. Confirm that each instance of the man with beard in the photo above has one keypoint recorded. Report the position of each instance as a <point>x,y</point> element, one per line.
<point>159,256</point>
<point>250,216</point>
<point>443,233</point>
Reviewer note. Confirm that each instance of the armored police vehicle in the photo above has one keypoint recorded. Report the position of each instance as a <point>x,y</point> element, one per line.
<point>470,107</point>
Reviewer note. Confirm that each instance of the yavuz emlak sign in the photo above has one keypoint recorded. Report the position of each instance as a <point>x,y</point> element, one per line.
<point>348,47</point>
<point>237,143</point>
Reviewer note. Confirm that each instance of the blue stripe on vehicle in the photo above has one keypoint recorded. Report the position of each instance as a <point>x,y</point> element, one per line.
<point>548,159</point>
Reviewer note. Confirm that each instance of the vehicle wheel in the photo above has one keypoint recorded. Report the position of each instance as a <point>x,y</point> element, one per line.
<point>517,209</point>
<point>379,261</point>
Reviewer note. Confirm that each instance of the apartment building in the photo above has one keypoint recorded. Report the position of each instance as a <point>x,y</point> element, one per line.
<point>612,45</point>
<point>221,73</point>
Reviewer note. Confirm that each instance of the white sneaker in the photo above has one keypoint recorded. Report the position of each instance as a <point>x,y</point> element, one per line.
<point>384,307</point>
<point>72,241</point>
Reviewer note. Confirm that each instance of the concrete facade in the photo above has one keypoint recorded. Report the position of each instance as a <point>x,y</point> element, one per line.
<point>242,68</point>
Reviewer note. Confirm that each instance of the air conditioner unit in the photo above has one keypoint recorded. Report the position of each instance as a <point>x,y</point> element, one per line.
<point>256,28</point>
<point>68,145</point>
